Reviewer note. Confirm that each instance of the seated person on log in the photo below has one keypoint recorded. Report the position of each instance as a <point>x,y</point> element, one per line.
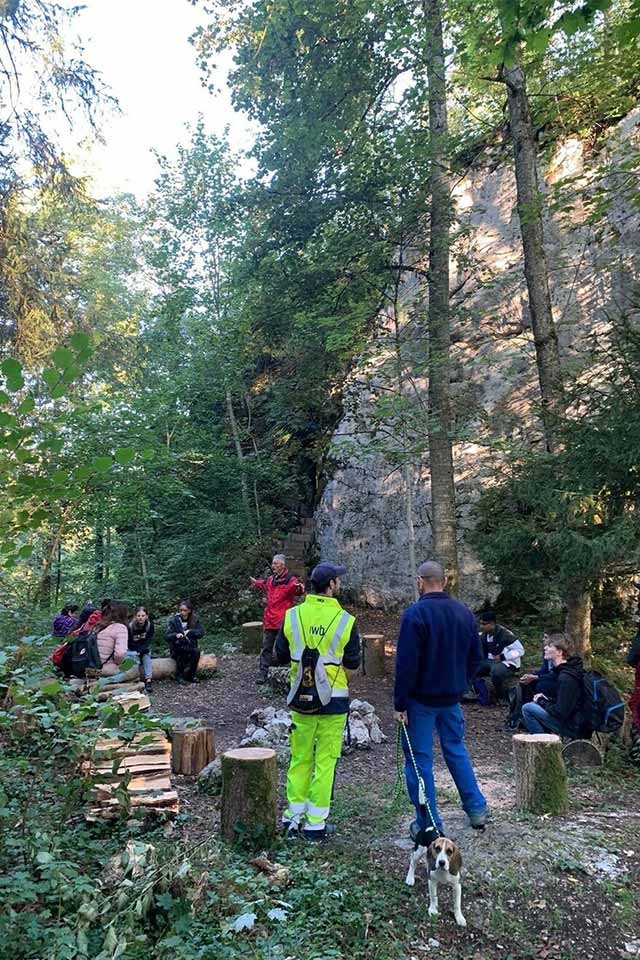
<point>544,681</point>
<point>140,637</point>
<point>90,615</point>
<point>183,633</point>
<point>112,634</point>
<point>562,714</point>
<point>502,653</point>
<point>65,622</point>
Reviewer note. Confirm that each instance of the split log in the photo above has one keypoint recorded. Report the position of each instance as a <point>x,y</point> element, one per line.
<point>192,748</point>
<point>541,776</point>
<point>373,655</point>
<point>141,767</point>
<point>249,792</point>
<point>252,637</point>
<point>583,753</point>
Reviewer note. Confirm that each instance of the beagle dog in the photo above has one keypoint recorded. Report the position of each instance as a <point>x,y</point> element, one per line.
<point>444,862</point>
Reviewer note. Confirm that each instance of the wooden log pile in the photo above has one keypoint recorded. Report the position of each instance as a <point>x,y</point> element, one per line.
<point>134,774</point>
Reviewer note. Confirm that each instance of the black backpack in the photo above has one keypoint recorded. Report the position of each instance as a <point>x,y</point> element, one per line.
<point>306,698</point>
<point>84,654</point>
<point>603,706</point>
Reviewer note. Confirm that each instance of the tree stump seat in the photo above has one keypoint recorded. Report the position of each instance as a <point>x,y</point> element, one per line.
<point>249,792</point>
<point>541,776</point>
<point>373,658</point>
<point>252,637</point>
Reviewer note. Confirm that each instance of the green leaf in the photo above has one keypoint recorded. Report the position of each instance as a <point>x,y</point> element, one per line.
<point>80,341</point>
<point>28,405</point>
<point>4,398</point>
<point>102,464</point>
<point>15,384</point>
<point>50,376</point>
<point>60,476</point>
<point>11,368</point>
<point>24,456</point>
<point>59,391</point>
<point>125,455</point>
<point>25,552</point>
<point>84,472</point>
<point>44,857</point>
<point>63,358</point>
<point>6,420</point>
<point>148,453</point>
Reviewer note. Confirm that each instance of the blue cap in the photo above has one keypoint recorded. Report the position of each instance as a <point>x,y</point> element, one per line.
<point>323,573</point>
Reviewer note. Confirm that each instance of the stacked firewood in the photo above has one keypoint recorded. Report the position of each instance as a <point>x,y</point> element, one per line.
<point>131,774</point>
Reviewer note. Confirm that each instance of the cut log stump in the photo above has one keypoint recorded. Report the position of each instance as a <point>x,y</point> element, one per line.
<point>373,655</point>
<point>252,637</point>
<point>249,792</point>
<point>582,753</point>
<point>541,776</point>
<point>192,748</point>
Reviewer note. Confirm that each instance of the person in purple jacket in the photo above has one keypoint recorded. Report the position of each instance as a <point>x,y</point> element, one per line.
<point>65,622</point>
<point>437,656</point>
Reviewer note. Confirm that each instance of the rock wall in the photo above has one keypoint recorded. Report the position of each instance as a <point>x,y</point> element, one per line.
<point>362,518</point>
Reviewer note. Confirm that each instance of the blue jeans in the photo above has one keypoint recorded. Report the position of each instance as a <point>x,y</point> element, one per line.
<point>537,720</point>
<point>449,723</point>
<point>122,676</point>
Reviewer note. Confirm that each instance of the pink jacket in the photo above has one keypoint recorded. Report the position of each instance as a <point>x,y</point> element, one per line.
<point>112,647</point>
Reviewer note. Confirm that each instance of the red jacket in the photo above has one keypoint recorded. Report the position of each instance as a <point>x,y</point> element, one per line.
<point>280,592</point>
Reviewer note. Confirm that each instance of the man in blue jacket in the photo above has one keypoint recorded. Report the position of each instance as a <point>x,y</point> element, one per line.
<point>437,656</point>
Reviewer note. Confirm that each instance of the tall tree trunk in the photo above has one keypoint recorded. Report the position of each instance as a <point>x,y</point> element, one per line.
<point>99,550</point>
<point>578,598</point>
<point>536,270</point>
<point>143,570</point>
<point>235,433</point>
<point>58,573</point>
<point>440,455</point>
<point>107,554</point>
<point>578,621</point>
<point>411,538</point>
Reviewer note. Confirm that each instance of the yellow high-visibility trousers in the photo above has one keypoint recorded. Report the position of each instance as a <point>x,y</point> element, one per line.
<point>316,746</point>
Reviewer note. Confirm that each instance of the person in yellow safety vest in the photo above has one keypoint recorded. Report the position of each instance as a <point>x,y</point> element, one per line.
<point>321,641</point>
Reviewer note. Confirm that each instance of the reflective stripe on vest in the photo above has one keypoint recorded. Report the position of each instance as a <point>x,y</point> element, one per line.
<point>331,655</point>
<point>298,647</point>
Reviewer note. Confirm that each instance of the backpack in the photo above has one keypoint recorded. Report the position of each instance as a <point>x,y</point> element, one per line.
<point>602,704</point>
<point>58,654</point>
<point>84,653</point>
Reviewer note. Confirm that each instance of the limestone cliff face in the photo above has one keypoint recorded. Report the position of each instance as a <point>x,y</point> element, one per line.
<point>362,518</point>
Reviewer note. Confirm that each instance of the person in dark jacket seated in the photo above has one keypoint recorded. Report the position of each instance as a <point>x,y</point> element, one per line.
<point>65,622</point>
<point>501,653</point>
<point>140,637</point>
<point>183,633</point>
<point>545,681</point>
<point>563,713</point>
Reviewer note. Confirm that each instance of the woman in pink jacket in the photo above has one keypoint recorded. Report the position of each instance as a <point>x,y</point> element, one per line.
<point>113,637</point>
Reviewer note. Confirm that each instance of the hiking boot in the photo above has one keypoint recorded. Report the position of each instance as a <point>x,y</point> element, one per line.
<point>478,819</point>
<point>319,836</point>
<point>148,686</point>
<point>261,679</point>
<point>290,829</point>
<point>429,834</point>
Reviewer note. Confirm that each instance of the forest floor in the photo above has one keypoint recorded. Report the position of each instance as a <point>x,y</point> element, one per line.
<point>566,888</point>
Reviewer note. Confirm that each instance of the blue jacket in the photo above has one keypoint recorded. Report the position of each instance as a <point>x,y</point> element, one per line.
<point>438,652</point>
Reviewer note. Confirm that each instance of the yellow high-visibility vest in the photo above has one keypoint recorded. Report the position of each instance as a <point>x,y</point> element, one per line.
<point>322,624</point>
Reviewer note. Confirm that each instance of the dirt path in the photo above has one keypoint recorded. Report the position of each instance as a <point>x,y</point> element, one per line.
<point>553,890</point>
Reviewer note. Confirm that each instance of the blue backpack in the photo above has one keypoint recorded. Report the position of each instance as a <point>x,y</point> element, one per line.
<point>602,704</point>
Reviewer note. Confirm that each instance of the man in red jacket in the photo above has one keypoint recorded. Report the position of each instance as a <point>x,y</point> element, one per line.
<point>281,588</point>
